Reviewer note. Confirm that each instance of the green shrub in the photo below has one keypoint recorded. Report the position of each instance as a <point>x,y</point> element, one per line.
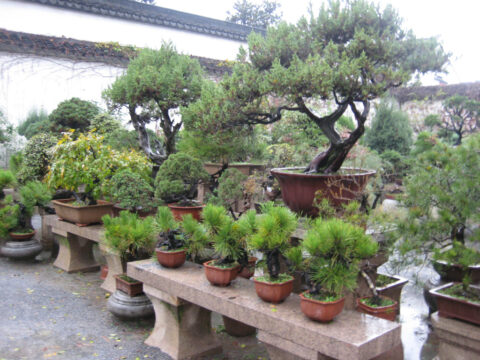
<point>178,177</point>
<point>9,216</point>
<point>73,114</point>
<point>34,193</point>
<point>15,162</point>
<point>230,188</point>
<point>37,122</point>
<point>133,238</point>
<point>6,179</point>
<point>36,158</point>
<point>390,129</point>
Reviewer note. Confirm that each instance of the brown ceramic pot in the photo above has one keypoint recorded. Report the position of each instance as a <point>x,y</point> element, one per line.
<point>171,259</point>
<point>384,312</point>
<point>452,307</point>
<point>20,237</point>
<point>456,273</point>
<point>82,215</point>
<point>129,288</point>
<point>218,276</point>
<point>298,189</point>
<point>248,271</point>
<point>394,289</point>
<point>180,211</point>
<point>273,292</point>
<point>322,311</point>
<point>103,272</point>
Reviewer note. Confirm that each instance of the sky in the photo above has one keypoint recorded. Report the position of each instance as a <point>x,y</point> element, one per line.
<point>454,22</point>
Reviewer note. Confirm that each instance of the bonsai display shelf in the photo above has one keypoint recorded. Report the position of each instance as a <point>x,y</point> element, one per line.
<point>183,300</point>
<point>76,249</point>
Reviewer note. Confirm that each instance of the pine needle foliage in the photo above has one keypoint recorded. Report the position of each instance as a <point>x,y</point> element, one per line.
<point>132,237</point>
<point>6,179</point>
<point>34,193</point>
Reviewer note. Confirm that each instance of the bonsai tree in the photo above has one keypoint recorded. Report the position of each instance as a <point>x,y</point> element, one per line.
<point>87,162</point>
<point>36,158</point>
<point>6,179</point>
<point>73,114</point>
<point>132,191</point>
<point>350,54</point>
<point>461,116</point>
<point>170,237</point>
<point>155,84</point>
<point>335,249</point>
<point>442,199</point>
<point>272,238</point>
<point>177,179</point>
<point>196,239</point>
<point>132,237</point>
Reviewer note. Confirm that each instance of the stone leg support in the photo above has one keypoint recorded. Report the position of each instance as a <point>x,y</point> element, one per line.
<point>46,236</point>
<point>75,253</point>
<point>182,329</point>
<point>457,339</point>
<point>115,267</point>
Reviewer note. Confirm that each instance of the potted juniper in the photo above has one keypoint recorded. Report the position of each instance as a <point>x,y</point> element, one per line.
<point>272,239</point>
<point>6,179</point>
<point>170,247</point>
<point>15,220</point>
<point>130,191</point>
<point>176,184</point>
<point>228,237</point>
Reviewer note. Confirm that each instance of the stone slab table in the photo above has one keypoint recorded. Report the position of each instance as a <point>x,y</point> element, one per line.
<point>457,339</point>
<point>183,299</point>
<point>76,249</point>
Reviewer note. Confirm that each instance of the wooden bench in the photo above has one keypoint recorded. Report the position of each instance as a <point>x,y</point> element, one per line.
<point>76,249</point>
<point>183,300</point>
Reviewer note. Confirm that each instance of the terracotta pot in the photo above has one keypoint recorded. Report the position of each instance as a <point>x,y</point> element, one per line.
<point>20,237</point>
<point>384,312</point>
<point>244,168</point>
<point>171,259</point>
<point>180,211</point>
<point>82,215</point>
<point>141,213</point>
<point>322,311</point>
<point>103,272</point>
<point>452,307</point>
<point>129,288</point>
<point>218,276</point>
<point>298,189</point>
<point>394,289</point>
<point>248,271</point>
<point>273,292</point>
<point>456,273</point>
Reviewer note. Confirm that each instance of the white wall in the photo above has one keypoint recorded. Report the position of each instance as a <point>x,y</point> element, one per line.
<point>32,18</point>
<point>28,82</point>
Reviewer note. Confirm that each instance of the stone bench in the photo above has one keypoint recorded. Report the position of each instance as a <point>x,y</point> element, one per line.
<point>183,300</point>
<point>75,253</point>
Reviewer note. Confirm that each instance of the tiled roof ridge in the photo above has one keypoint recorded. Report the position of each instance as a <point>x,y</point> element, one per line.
<point>80,50</point>
<point>134,11</point>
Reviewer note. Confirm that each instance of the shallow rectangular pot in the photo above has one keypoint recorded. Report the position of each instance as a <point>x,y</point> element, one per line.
<point>393,290</point>
<point>129,288</point>
<point>83,215</point>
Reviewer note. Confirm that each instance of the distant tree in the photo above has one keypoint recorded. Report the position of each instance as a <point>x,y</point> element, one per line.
<point>155,85</point>
<point>6,129</point>
<point>255,15</point>
<point>390,129</point>
<point>73,114</point>
<point>36,122</point>
<point>461,116</point>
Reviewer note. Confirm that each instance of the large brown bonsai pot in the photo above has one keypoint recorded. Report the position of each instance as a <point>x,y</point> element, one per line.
<point>171,259</point>
<point>273,292</point>
<point>180,211</point>
<point>298,189</point>
<point>322,311</point>
<point>82,215</point>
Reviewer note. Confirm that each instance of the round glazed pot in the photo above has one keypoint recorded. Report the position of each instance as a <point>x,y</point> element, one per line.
<point>384,312</point>
<point>171,259</point>
<point>273,292</point>
<point>248,271</point>
<point>218,276</point>
<point>129,308</point>
<point>298,189</point>
<point>322,311</point>
<point>180,211</point>
<point>21,250</point>
<point>20,237</point>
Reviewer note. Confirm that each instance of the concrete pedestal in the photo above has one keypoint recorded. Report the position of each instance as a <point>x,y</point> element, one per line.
<point>182,329</point>
<point>457,339</point>
<point>75,253</point>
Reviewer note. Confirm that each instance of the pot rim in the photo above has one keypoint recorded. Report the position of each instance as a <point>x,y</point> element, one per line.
<point>272,284</point>
<point>379,308</point>
<point>435,292</point>
<point>175,206</point>
<point>399,281</point>
<point>170,252</point>
<point>286,170</point>
<point>303,298</point>
<point>119,277</point>
<point>207,265</point>
<point>65,202</point>
<point>443,262</point>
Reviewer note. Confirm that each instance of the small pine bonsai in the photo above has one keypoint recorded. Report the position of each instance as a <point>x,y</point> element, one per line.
<point>132,237</point>
<point>177,179</point>
<point>170,238</point>
<point>335,249</point>
<point>271,237</point>
<point>6,179</point>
